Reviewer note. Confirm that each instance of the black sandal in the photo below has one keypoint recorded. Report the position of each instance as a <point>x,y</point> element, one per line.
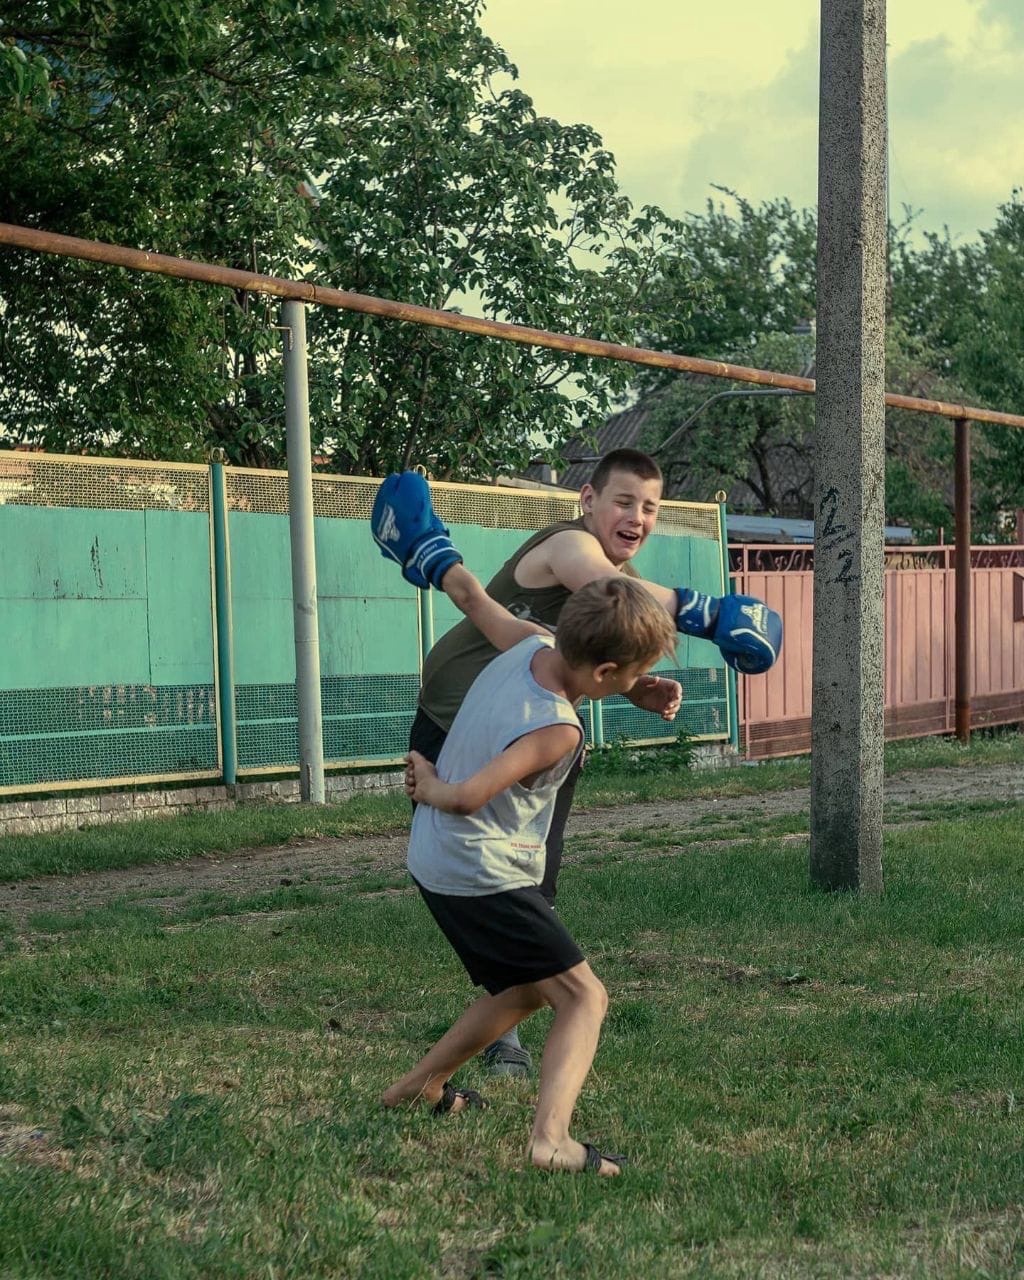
<point>592,1164</point>
<point>450,1095</point>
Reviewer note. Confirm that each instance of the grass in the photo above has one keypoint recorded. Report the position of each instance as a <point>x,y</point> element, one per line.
<point>778,775</point>
<point>175,839</point>
<point>808,1085</point>
<point>170,840</point>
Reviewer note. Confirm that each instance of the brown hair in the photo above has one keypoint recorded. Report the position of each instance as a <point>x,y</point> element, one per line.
<point>616,620</point>
<point>636,463</point>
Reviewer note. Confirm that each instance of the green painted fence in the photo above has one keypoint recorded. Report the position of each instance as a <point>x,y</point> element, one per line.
<point>110,671</point>
<point>106,670</point>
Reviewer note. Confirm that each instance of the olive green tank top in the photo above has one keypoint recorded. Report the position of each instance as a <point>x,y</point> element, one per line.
<point>462,653</point>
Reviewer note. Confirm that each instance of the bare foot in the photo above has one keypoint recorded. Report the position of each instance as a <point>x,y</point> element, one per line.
<point>571,1157</point>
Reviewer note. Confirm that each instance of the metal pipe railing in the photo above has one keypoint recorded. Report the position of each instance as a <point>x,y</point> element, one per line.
<point>306,291</point>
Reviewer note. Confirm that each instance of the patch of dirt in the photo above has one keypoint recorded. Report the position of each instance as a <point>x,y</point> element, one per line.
<point>23,1142</point>
<point>333,863</point>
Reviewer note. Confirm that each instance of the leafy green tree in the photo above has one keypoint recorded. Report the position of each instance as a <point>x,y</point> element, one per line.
<point>759,448</point>
<point>759,268</point>
<point>918,446</point>
<point>379,147</point>
<point>759,265</point>
<point>965,304</point>
<point>24,77</point>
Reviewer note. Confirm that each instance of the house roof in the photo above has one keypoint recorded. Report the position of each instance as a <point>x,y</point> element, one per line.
<point>621,431</point>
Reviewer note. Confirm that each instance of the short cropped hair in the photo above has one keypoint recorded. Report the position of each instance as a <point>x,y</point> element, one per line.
<point>636,463</point>
<point>616,620</point>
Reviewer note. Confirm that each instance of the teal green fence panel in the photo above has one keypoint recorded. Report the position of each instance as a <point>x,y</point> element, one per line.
<point>368,626</point>
<point>369,621</point>
<point>107,672</point>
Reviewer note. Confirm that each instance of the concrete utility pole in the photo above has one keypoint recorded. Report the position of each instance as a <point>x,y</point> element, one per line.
<point>300,522</point>
<point>847,725</point>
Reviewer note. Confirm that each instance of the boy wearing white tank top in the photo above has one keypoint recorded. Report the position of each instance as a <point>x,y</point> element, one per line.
<point>477,850</point>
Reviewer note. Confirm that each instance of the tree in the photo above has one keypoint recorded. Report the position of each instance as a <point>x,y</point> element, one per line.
<point>965,304</point>
<point>24,77</point>
<point>380,147</point>
<point>759,266</point>
<point>758,448</point>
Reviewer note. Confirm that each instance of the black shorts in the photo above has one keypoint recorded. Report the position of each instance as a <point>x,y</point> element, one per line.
<point>504,939</point>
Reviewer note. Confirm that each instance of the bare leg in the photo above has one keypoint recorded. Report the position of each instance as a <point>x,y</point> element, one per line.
<point>580,1002</point>
<point>482,1023</point>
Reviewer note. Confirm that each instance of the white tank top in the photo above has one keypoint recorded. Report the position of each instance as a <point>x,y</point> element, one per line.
<point>501,846</point>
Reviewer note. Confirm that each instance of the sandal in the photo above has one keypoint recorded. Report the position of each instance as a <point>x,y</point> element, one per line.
<point>592,1163</point>
<point>450,1095</point>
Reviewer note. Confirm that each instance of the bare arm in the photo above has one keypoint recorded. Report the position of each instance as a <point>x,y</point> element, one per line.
<point>500,627</point>
<point>529,755</point>
<point>575,558</point>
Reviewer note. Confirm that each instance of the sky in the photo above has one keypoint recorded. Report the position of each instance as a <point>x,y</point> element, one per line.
<point>688,95</point>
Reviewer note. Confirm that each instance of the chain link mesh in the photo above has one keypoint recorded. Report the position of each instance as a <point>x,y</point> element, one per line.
<point>28,479</point>
<point>489,507</point>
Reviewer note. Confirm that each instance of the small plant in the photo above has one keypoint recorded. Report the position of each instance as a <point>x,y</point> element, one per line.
<point>619,758</point>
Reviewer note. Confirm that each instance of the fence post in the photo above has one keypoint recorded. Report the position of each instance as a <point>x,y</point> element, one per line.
<point>962,576</point>
<point>731,684</point>
<point>226,716</point>
<point>597,719</point>
<point>426,627</point>
<point>300,520</point>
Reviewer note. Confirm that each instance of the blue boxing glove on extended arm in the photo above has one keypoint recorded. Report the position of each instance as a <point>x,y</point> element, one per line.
<point>408,531</point>
<point>747,632</point>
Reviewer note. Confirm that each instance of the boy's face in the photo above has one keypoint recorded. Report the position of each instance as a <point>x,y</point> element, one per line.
<point>622,516</point>
<point>627,676</point>
<point>608,679</point>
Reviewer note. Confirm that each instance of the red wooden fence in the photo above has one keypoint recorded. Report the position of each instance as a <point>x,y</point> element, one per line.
<point>775,709</point>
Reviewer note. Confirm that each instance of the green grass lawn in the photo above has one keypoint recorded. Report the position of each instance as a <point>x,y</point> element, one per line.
<point>807,1085</point>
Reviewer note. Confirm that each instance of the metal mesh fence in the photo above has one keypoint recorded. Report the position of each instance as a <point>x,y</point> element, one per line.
<point>52,480</point>
<point>107,592</point>
<point>704,713</point>
<point>112,732</point>
<point>487,507</point>
<point>365,719</point>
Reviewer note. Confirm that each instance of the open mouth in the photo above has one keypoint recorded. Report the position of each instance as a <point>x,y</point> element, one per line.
<point>630,539</point>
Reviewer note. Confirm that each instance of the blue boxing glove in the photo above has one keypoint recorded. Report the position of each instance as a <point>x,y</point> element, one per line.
<point>747,632</point>
<point>407,530</point>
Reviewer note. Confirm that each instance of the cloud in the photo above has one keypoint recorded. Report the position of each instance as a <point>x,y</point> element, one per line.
<point>687,97</point>
<point>956,146</point>
<point>761,141</point>
<point>956,143</point>
<point>1008,14</point>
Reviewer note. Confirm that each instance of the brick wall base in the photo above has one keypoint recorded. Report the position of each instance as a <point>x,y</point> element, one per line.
<point>66,813</point>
